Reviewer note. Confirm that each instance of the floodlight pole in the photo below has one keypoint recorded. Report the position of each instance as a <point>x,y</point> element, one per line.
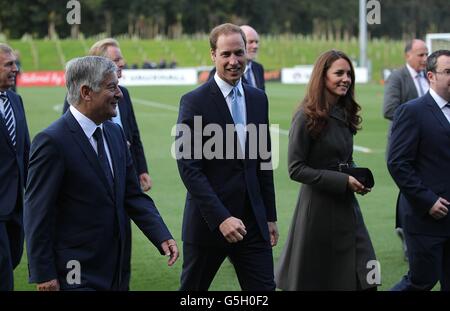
<point>362,34</point>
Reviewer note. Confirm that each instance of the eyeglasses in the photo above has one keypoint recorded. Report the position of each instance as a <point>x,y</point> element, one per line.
<point>444,72</point>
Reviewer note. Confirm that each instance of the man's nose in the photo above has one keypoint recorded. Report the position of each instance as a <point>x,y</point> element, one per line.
<point>118,93</point>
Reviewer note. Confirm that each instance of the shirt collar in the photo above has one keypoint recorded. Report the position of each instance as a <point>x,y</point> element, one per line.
<point>438,99</point>
<point>226,88</point>
<point>86,124</point>
<point>412,71</point>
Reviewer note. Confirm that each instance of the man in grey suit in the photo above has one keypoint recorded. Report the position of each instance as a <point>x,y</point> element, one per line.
<point>405,84</point>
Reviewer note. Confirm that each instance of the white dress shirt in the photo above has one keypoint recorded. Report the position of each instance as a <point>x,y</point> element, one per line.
<point>418,79</point>
<point>226,90</point>
<point>89,128</point>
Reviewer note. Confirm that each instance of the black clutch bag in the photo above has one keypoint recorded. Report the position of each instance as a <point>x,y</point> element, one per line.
<point>362,174</point>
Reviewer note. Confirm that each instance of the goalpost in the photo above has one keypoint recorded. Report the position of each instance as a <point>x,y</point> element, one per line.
<point>438,41</point>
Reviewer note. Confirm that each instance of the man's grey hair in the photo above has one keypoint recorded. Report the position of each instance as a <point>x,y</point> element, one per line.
<point>90,71</point>
<point>5,49</point>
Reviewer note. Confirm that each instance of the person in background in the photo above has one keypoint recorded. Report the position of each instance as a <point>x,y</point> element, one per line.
<point>14,153</point>
<point>405,84</point>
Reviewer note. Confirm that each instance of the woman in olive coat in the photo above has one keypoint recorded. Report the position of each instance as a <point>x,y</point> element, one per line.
<point>328,246</point>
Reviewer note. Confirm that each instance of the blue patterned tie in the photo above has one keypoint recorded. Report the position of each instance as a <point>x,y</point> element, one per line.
<point>237,115</point>
<point>102,157</point>
<point>9,118</point>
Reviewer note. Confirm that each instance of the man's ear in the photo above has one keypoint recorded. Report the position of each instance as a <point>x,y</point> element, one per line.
<point>85,93</point>
<point>213,55</point>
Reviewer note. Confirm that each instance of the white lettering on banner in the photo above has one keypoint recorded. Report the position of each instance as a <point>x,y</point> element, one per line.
<point>302,74</point>
<point>159,77</point>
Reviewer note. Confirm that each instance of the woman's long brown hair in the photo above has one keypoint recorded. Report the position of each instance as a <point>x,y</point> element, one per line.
<point>315,105</point>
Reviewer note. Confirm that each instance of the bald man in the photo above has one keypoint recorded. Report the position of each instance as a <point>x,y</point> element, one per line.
<point>403,85</point>
<point>254,72</point>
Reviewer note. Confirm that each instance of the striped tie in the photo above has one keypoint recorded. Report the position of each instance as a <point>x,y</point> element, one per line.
<point>9,117</point>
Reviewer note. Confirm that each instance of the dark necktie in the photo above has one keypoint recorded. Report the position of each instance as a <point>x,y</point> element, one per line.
<point>9,118</point>
<point>102,157</point>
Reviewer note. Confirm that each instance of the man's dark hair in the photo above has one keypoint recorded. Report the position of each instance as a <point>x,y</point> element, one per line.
<point>432,59</point>
<point>224,29</point>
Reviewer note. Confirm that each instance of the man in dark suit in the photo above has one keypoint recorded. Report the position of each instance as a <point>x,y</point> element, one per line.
<point>254,71</point>
<point>14,150</point>
<point>403,85</point>
<point>81,188</point>
<point>230,204</point>
<point>419,162</point>
<point>125,117</point>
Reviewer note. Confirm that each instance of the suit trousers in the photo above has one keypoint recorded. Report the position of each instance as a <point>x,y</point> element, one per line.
<point>6,266</point>
<point>429,262</point>
<point>252,259</point>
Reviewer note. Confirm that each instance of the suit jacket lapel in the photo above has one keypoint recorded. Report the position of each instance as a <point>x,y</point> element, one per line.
<point>437,112</point>
<point>86,147</point>
<point>114,153</point>
<point>256,75</point>
<point>412,91</point>
<point>220,102</point>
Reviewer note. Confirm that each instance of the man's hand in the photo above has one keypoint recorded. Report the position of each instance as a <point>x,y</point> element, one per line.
<point>356,186</point>
<point>233,229</point>
<point>170,250</point>
<point>273,232</point>
<point>146,182</point>
<point>50,286</point>
<point>439,209</point>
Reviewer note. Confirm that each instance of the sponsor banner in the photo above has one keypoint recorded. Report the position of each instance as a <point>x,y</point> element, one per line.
<point>41,78</point>
<point>132,77</point>
<point>302,74</point>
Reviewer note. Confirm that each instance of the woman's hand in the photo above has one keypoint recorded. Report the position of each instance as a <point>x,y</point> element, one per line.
<point>355,186</point>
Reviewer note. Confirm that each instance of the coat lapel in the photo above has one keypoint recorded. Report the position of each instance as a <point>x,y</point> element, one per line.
<point>412,91</point>
<point>220,102</point>
<point>437,112</point>
<point>86,147</point>
<point>114,153</point>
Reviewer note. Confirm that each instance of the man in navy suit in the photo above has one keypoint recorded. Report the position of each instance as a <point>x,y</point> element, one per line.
<point>14,150</point>
<point>254,71</point>
<point>230,204</point>
<point>403,85</point>
<point>419,162</point>
<point>81,188</point>
<point>125,117</point>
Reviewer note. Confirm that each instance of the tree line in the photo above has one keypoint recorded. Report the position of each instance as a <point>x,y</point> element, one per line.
<point>331,19</point>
